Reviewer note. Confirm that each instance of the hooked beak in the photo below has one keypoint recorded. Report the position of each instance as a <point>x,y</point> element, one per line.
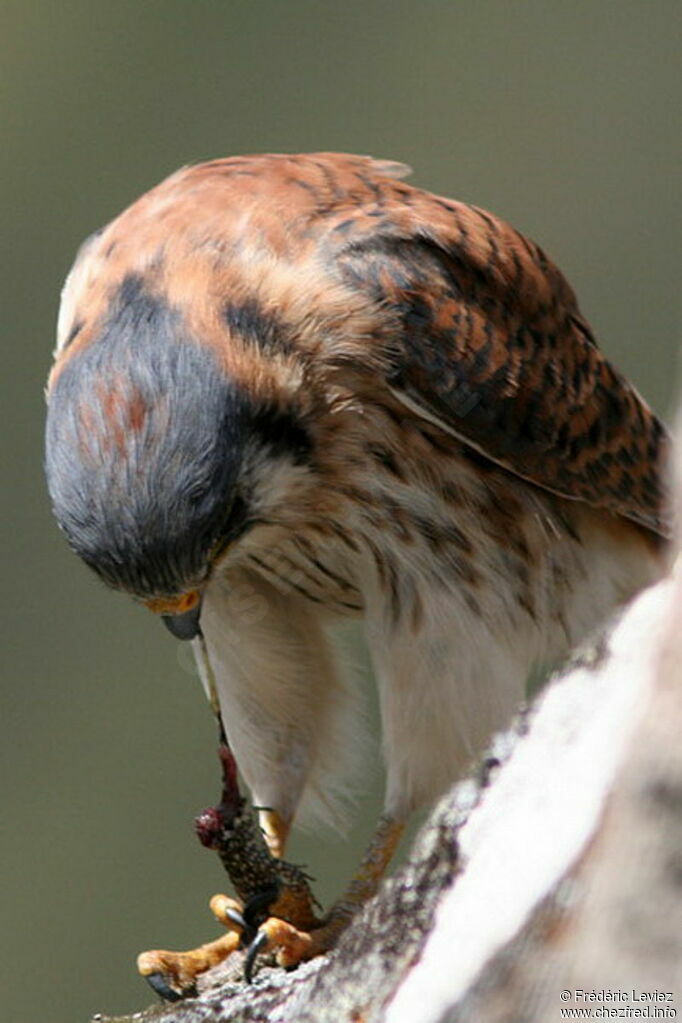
<point>184,626</point>
<point>181,616</point>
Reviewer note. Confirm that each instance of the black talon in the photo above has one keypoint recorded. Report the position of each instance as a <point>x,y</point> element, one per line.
<point>256,909</point>
<point>258,943</point>
<point>159,983</point>
<point>236,917</point>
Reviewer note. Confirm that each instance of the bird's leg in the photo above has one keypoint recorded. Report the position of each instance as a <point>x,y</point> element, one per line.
<point>366,880</point>
<point>275,831</point>
<point>266,887</point>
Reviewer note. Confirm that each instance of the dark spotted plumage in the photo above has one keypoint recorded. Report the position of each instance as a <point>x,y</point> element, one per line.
<point>488,340</point>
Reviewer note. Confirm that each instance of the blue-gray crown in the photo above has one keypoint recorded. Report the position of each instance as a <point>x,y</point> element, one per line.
<point>143,449</point>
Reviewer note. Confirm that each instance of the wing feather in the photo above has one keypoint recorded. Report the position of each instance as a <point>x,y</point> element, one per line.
<point>488,342</point>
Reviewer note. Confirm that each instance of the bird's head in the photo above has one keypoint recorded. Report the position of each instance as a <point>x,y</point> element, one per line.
<point>146,444</point>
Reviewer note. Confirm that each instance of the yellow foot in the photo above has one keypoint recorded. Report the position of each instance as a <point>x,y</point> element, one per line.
<point>291,945</point>
<point>173,975</point>
<point>294,945</point>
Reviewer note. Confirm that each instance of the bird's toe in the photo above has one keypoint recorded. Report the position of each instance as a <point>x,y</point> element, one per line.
<point>291,945</point>
<point>173,975</point>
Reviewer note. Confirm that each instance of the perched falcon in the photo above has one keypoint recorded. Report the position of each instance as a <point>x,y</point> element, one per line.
<point>293,390</point>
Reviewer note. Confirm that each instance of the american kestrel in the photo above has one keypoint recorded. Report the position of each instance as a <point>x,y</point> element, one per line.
<point>294,390</point>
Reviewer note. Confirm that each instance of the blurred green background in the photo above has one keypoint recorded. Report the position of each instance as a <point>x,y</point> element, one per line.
<point>563,117</point>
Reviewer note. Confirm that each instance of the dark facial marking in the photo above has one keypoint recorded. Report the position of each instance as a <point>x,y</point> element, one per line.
<point>282,433</point>
<point>73,333</point>
<point>258,326</point>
